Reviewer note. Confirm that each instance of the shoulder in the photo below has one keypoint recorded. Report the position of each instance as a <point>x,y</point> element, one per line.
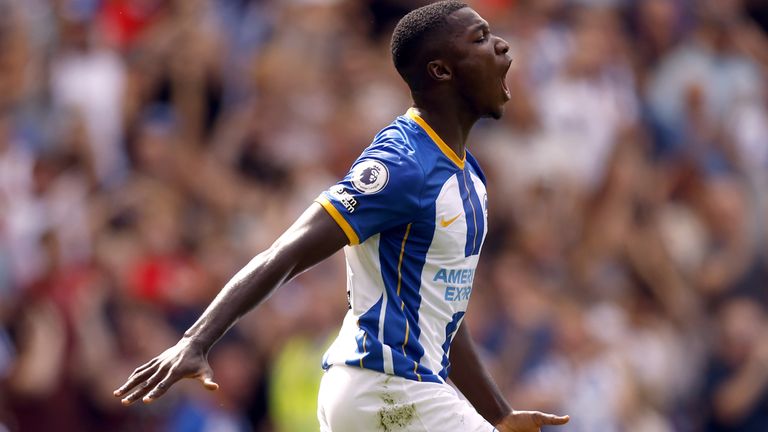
<point>393,152</point>
<point>398,140</point>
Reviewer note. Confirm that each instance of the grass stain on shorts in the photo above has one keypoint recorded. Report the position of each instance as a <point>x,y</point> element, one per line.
<point>395,416</point>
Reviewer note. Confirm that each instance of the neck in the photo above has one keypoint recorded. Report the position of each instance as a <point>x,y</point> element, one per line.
<point>447,118</point>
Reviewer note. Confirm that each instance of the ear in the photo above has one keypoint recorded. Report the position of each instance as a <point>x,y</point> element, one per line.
<point>439,71</point>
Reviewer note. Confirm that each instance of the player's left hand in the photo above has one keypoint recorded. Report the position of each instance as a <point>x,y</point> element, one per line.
<point>529,421</point>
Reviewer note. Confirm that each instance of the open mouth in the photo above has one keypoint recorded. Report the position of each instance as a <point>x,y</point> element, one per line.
<point>503,79</point>
<point>507,94</point>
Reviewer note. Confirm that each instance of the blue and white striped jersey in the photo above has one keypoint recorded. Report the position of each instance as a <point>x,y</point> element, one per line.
<point>416,216</point>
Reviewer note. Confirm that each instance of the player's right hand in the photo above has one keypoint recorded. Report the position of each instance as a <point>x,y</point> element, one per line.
<point>152,379</point>
<point>529,421</point>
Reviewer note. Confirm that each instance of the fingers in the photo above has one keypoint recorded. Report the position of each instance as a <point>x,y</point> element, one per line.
<point>161,387</point>
<point>542,419</point>
<point>146,365</point>
<point>144,387</point>
<point>151,380</point>
<point>136,377</point>
<point>171,377</point>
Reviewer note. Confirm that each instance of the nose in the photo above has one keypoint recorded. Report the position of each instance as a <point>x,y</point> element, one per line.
<point>502,47</point>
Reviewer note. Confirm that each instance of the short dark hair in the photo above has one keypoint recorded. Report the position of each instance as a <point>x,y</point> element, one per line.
<point>412,32</point>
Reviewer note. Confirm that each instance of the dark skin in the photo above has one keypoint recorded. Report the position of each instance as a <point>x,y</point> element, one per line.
<point>463,83</point>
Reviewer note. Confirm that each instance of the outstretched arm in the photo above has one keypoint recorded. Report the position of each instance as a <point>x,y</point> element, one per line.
<point>474,381</point>
<point>312,238</point>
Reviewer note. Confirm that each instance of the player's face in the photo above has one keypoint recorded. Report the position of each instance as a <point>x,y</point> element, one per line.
<point>480,63</point>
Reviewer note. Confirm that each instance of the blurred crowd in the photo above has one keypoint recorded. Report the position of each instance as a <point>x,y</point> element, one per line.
<point>150,148</point>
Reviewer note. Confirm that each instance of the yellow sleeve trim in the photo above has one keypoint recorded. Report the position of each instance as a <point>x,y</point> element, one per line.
<point>345,226</point>
<point>411,114</point>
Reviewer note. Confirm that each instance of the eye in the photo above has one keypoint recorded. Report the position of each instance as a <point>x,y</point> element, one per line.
<point>482,38</point>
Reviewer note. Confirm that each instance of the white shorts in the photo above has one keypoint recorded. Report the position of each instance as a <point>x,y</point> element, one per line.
<point>352,399</point>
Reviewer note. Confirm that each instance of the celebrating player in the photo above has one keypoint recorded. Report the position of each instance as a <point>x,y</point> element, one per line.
<point>411,216</point>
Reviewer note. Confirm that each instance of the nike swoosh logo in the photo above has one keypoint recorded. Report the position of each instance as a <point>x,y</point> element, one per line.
<point>444,223</point>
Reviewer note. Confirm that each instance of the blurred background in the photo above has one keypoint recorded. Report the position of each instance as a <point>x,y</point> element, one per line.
<point>150,148</point>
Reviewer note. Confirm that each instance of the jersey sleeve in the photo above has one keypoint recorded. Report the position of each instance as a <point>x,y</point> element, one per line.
<point>382,190</point>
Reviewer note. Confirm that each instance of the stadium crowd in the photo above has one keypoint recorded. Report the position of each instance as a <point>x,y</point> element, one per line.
<point>149,148</point>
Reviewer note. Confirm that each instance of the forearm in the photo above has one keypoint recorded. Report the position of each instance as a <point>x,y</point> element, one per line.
<point>474,381</point>
<point>314,237</point>
<point>248,288</point>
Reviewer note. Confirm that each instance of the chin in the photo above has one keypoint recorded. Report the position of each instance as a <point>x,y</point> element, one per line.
<point>497,113</point>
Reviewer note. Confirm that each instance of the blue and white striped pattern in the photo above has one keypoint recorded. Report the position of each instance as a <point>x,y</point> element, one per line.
<point>413,250</point>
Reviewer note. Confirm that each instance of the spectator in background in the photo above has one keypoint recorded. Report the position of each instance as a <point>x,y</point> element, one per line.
<point>736,392</point>
<point>706,97</point>
<point>587,107</point>
<point>579,374</point>
<point>87,82</point>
